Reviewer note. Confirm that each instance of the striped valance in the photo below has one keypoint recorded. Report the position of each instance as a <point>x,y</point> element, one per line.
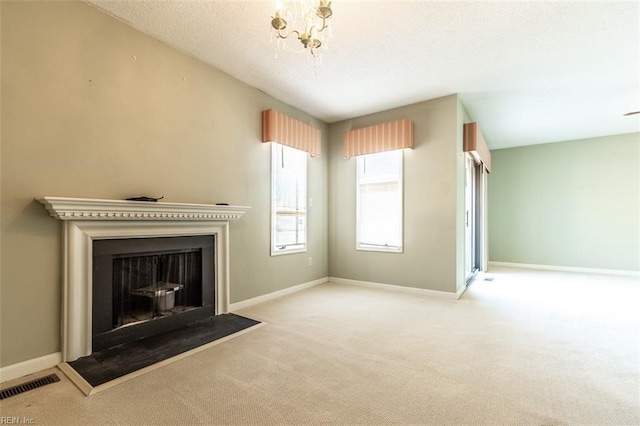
<point>475,144</point>
<point>285,130</point>
<point>381,137</point>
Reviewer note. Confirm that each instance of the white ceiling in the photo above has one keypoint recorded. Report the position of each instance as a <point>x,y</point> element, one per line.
<point>527,72</point>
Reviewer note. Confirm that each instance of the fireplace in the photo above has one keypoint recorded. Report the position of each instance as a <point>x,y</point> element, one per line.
<point>146,286</point>
<point>92,225</point>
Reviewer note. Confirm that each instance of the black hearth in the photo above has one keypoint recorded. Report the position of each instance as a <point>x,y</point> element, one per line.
<point>147,286</point>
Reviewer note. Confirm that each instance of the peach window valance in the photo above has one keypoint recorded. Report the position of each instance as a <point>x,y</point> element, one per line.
<point>378,138</point>
<point>475,144</point>
<point>285,130</point>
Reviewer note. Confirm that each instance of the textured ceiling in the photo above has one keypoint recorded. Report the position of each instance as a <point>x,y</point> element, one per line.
<point>528,72</point>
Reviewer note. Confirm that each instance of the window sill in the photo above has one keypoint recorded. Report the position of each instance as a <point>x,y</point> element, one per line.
<point>288,251</point>
<point>380,249</point>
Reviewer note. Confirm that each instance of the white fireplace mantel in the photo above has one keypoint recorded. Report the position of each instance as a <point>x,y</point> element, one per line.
<point>86,220</point>
<point>94,209</point>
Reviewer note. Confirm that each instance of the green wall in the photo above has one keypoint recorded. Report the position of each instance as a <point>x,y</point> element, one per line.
<point>569,203</point>
<point>433,216</point>
<point>93,108</point>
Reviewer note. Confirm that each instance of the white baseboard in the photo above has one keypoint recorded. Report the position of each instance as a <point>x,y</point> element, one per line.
<point>567,269</point>
<point>461,291</point>
<point>274,295</point>
<point>30,366</point>
<point>397,288</point>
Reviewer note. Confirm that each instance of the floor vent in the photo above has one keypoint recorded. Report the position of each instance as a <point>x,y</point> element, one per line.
<point>31,385</point>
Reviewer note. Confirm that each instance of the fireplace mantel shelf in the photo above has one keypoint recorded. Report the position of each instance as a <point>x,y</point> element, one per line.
<point>94,209</point>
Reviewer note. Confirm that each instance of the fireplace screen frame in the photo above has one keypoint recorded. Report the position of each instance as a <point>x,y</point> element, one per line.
<point>128,282</point>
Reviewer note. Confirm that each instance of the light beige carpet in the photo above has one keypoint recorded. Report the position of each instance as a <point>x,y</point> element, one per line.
<point>529,348</point>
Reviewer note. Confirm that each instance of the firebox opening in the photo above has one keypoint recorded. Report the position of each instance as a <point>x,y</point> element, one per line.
<point>146,286</point>
<point>155,285</point>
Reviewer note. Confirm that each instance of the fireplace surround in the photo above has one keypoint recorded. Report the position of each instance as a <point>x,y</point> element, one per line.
<point>85,220</point>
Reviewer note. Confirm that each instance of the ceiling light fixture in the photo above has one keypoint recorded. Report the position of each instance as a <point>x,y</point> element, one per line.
<point>307,20</point>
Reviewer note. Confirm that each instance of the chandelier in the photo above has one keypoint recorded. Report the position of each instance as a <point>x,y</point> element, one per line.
<point>307,20</point>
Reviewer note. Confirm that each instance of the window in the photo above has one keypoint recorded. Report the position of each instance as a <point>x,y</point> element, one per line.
<point>288,200</point>
<point>379,202</point>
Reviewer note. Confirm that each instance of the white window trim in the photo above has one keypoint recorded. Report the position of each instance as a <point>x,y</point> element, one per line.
<point>298,248</point>
<point>376,248</point>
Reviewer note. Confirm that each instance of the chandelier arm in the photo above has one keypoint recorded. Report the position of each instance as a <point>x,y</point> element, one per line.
<point>324,27</point>
<point>280,34</point>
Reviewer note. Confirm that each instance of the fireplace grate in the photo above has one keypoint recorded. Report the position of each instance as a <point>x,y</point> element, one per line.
<point>31,385</point>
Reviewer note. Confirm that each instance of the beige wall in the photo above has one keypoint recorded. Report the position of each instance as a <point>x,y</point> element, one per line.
<point>93,108</point>
<point>433,215</point>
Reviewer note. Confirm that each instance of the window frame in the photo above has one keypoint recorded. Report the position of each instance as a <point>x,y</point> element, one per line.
<point>295,248</point>
<point>400,199</point>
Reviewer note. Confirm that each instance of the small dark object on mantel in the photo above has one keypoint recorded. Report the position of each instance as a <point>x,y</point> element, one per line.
<point>150,199</point>
<point>222,204</point>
